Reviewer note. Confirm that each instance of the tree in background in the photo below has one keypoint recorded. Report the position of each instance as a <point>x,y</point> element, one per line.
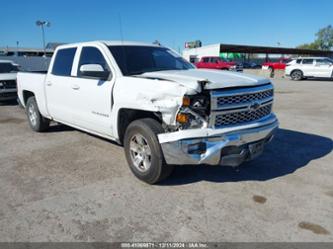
<point>324,40</point>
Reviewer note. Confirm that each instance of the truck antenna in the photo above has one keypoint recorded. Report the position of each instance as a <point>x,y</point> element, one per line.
<point>120,28</point>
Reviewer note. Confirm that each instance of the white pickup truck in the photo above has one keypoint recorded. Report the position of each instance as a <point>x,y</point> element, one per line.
<point>160,107</point>
<point>8,71</point>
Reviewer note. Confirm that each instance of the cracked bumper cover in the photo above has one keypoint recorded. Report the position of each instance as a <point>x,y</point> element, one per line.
<point>226,146</point>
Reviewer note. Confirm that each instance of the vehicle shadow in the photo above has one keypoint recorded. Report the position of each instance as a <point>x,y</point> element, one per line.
<point>289,151</point>
<point>57,127</point>
<point>318,79</point>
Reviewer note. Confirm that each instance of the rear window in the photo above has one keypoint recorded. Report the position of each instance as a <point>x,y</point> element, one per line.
<point>63,62</point>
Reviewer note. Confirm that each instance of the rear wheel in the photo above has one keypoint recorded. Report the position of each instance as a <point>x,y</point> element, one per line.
<point>36,121</point>
<point>143,151</point>
<point>296,75</point>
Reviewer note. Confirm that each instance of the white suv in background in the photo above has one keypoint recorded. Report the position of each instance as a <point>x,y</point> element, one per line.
<point>305,67</point>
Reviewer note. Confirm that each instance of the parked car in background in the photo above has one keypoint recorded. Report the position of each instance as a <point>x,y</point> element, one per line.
<point>251,65</point>
<point>162,109</point>
<point>215,62</point>
<point>278,65</point>
<point>8,72</point>
<point>306,67</point>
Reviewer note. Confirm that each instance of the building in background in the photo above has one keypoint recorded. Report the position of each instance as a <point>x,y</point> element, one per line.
<point>29,59</point>
<point>245,53</point>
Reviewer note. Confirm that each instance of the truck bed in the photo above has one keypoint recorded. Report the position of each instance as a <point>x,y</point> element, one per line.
<point>32,82</point>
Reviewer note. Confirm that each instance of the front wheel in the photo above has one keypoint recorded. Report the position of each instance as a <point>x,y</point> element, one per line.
<point>143,151</point>
<point>36,121</point>
<point>296,75</point>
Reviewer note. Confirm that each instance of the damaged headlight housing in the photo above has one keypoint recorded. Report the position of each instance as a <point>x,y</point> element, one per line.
<point>194,111</point>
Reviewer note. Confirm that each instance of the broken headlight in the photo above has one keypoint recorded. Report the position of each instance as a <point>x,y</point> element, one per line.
<point>194,111</point>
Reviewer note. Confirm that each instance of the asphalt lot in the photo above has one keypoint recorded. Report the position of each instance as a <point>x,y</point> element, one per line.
<point>66,185</point>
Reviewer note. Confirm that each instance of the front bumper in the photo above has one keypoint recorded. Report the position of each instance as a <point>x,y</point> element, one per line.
<point>229,147</point>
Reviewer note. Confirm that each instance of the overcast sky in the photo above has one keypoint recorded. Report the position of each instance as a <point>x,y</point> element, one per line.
<point>171,22</point>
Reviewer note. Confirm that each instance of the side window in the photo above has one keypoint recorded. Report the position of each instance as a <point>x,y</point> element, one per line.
<point>307,61</point>
<point>213,60</point>
<point>92,55</point>
<point>63,62</point>
<point>206,59</point>
<point>323,62</point>
<point>298,61</point>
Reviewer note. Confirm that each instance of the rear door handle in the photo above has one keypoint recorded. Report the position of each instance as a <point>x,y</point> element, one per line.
<point>75,87</point>
<point>49,83</point>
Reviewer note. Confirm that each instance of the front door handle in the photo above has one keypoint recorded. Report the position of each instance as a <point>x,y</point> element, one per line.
<point>49,83</point>
<point>75,87</point>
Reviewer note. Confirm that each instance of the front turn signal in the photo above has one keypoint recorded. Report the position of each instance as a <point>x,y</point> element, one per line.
<point>182,118</point>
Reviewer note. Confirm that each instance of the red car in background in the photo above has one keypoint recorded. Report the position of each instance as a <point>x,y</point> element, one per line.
<point>278,65</point>
<point>215,62</point>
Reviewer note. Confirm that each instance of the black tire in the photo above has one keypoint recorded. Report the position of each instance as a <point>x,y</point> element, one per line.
<point>148,128</point>
<point>296,75</point>
<point>36,121</point>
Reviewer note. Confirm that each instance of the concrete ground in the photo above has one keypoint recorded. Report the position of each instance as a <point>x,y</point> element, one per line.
<point>66,185</point>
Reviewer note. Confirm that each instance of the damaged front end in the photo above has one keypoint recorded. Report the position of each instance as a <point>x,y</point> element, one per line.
<point>221,127</point>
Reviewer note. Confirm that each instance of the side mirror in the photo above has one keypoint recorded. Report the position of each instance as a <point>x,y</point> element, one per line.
<point>95,71</point>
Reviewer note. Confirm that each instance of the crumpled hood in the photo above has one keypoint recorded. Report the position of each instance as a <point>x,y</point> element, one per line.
<point>216,78</point>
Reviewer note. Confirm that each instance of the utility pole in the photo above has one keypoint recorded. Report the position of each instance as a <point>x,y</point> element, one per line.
<point>17,48</point>
<point>41,24</point>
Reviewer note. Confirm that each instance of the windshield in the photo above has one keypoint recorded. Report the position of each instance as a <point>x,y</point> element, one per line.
<point>8,68</point>
<point>134,60</point>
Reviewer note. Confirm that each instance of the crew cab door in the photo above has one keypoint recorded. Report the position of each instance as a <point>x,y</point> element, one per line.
<point>92,92</point>
<point>323,67</point>
<point>59,94</point>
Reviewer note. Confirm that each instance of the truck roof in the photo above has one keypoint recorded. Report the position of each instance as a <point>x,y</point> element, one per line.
<point>110,43</point>
<point>6,61</point>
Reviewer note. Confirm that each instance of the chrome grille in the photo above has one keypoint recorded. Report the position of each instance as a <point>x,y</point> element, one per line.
<point>241,117</point>
<point>241,105</point>
<point>245,98</point>
<point>7,84</point>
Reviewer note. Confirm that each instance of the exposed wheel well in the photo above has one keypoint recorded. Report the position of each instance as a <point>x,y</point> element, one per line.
<point>126,116</point>
<point>27,95</point>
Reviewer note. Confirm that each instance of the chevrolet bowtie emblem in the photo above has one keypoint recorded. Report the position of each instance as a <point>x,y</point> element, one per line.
<point>254,106</point>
